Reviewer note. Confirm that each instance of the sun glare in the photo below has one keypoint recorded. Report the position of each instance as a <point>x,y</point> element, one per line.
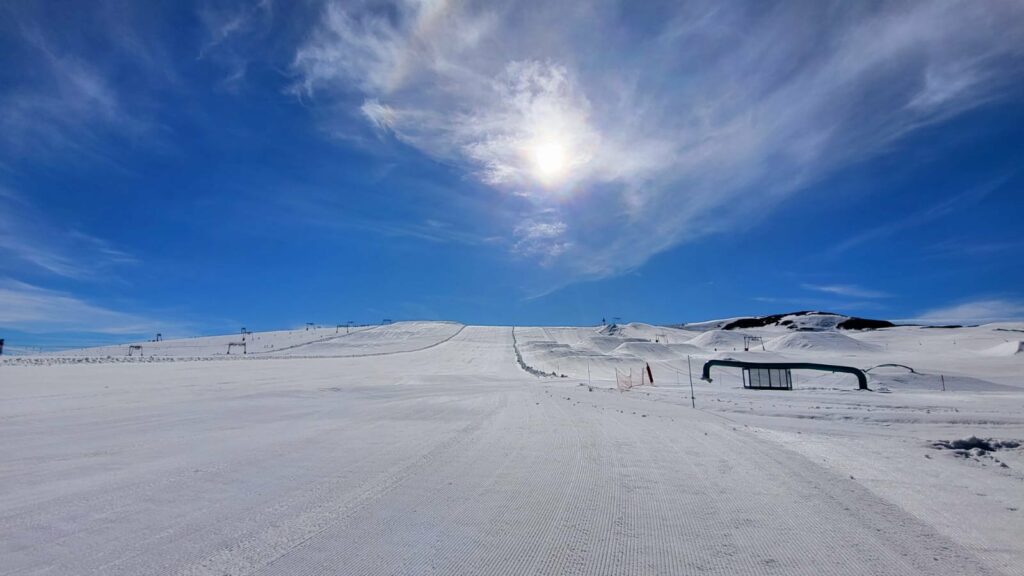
<point>549,161</point>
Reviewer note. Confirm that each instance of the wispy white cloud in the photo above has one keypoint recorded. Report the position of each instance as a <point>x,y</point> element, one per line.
<point>968,248</point>
<point>324,208</point>
<point>38,310</point>
<point>660,134</point>
<point>232,32</point>
<point>30,241</point>
<point>974,312</point>
<point>541,238</point>
<point>850,290</point>
<point>69,103</point>
<point>912,220</point>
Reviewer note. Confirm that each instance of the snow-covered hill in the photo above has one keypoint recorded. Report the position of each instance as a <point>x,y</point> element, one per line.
<point>804,320</point>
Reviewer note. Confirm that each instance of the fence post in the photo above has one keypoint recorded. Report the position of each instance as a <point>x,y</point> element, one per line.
<point>693,399</point>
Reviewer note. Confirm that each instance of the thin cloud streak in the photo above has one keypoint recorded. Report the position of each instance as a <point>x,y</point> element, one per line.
<point>38,310</point>
<point>982,311</point>
<point>939,210</point>
<point>231,35</point>
<point>65,111</point>
<point>27,238</point>
<point>850,290</point>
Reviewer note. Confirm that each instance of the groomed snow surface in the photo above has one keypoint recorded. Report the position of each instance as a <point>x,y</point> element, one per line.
<point>431,448</point>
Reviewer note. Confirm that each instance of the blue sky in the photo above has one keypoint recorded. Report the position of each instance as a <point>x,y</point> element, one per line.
<point>190,168</point>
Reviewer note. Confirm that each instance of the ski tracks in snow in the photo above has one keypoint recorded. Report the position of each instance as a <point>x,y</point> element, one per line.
<point>478,469</point>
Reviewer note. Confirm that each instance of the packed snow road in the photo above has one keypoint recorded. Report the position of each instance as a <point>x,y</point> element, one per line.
<point>447,460</point>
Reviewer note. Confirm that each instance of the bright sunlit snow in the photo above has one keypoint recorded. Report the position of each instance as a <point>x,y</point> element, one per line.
<point>435,447</point>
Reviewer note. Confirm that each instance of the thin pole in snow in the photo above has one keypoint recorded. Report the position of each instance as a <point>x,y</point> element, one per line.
<point>693,399</point>
<point>588,372</point>
<point>943,382</point>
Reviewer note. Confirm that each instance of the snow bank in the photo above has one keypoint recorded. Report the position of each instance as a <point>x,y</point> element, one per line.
<point>606,344</point>
<point>818,342</point>
<point>1010,348</point>
<point>907,381</point>
<point>710,324</point>
<point>718,340</point>
<point>649,351</point>
<point>682,350</point>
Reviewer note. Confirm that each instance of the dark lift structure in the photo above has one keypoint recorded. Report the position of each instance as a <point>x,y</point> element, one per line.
<point>862,378</point>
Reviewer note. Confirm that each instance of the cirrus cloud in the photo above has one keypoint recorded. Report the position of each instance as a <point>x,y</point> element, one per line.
<point>981,311</point>
<point>674,126</point>
<point>33,309</point>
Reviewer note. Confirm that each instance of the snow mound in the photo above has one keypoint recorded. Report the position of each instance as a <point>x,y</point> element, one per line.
<point>1010,348</point>
<point>646,350</point>
<point>708,325</point>
<point>934,382</point>
<point>605,344</point>
<point>719,340</point>
<point>554,358</point>
<point>649,332</point>
<point>548,349</point>
<point>611,330</point>
<point>681,350</point>
<point>818,342</point>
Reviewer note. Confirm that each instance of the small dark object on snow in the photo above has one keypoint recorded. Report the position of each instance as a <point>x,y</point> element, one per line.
<point>983,444</point>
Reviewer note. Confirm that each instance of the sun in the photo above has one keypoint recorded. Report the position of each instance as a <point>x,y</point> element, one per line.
<point>550,161</point>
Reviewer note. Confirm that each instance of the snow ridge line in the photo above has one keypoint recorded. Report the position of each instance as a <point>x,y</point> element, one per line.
<point>368,354</point>
<point>47,361</point>
<point>317,341</point>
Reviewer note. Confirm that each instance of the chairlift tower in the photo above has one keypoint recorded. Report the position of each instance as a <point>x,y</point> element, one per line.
<point>748,341</point>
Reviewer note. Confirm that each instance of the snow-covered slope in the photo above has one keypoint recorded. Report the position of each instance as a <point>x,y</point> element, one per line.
<point>1011,348</point>
<point>256,343</point>
<point>313,341</point>
<point>320,449</point>
<point>804,320</point>
<point>829,342</point>
<point>715,340</point>
<point>426,447</point>
<point>388,339</point>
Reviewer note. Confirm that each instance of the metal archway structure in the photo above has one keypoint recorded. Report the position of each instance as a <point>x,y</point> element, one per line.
<point>862,379</point>
<point>911,370</point>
